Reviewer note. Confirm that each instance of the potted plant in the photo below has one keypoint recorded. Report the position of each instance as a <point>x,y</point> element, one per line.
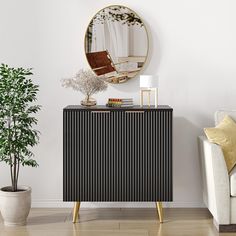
<point>87,83</point>
<point>17,137</point>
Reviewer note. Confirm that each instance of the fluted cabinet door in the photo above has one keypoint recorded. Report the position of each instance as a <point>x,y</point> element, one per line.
<point>148,156</point>
<point>117,155</point>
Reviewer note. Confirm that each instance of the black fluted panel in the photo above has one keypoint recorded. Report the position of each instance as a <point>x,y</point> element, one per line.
<point>117,155</point>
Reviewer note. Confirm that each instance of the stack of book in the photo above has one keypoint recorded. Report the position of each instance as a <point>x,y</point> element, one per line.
<point>120,102</point>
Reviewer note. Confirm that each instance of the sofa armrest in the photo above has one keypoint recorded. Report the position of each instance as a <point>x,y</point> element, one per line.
<point>216,191</point>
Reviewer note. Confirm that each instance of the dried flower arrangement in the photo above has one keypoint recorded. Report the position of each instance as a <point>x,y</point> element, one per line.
<point>87,83</point>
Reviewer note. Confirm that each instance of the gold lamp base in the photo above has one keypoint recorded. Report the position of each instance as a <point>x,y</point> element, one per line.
<point>148,91</point>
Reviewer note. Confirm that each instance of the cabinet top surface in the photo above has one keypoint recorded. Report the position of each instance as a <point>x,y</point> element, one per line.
<point>102,108</point>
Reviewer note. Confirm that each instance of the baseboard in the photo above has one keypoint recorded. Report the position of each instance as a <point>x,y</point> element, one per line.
<point>57,203</point>
<point>225,228</point>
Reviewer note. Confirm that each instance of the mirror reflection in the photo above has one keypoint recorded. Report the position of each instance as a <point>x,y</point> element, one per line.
<point>116,44</point>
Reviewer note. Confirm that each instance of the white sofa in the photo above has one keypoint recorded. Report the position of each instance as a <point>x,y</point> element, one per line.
<point>219,188</point>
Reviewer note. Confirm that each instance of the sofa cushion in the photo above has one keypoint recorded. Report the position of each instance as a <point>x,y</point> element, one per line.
<point>220,115</point>
<point>224,134</point>
<point>233,182</point>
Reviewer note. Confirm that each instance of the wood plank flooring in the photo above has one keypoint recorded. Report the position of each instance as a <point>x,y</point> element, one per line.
<point>116,222</point>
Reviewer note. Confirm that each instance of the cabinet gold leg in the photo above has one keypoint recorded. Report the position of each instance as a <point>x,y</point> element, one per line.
<point>159,211</point>
<point>76,211</point>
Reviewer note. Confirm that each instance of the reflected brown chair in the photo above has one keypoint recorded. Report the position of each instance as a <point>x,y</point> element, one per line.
<point>102,64</point>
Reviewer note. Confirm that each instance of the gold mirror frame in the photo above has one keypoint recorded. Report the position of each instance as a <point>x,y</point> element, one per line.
<point>117,79</point>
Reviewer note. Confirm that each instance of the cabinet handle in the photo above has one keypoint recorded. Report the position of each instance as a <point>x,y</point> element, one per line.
<point>100,112</point>
<point>134,111</point>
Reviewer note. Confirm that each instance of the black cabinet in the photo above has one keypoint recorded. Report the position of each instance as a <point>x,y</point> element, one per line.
<point>117,154</point>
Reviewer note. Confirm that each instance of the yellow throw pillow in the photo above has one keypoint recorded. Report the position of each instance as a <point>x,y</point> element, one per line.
<point>224,134</point>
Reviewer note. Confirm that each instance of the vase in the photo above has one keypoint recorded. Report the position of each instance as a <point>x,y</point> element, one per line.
<point>88,102</point>
<point>15,206</point>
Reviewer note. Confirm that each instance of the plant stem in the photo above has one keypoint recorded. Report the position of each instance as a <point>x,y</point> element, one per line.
<point>9,141</point>
<point>88,97</point>
<point>17,176</point>
<point>12,183</point>
<point>14,175</point>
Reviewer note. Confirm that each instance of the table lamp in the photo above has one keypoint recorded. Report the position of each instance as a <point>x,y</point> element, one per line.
<point>148,83</point>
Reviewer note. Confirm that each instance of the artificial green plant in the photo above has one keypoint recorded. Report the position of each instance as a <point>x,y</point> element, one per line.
<point>18,94</point>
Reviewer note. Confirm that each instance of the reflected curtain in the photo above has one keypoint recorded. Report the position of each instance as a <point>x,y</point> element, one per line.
<point>111,36</point>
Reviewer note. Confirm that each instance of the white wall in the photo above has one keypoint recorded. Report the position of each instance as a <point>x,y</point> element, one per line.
<point>192,48</point>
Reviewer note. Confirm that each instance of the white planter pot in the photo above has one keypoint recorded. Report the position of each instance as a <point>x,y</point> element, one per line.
<point>15,206</point>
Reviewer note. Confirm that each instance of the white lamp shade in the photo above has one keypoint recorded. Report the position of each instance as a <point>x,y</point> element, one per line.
<point>148,81</point>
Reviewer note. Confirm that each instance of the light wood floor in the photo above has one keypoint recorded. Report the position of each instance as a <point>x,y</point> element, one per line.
<point>115,222</point>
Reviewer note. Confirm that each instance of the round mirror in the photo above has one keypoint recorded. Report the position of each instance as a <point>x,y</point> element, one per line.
<point>116,44</point>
